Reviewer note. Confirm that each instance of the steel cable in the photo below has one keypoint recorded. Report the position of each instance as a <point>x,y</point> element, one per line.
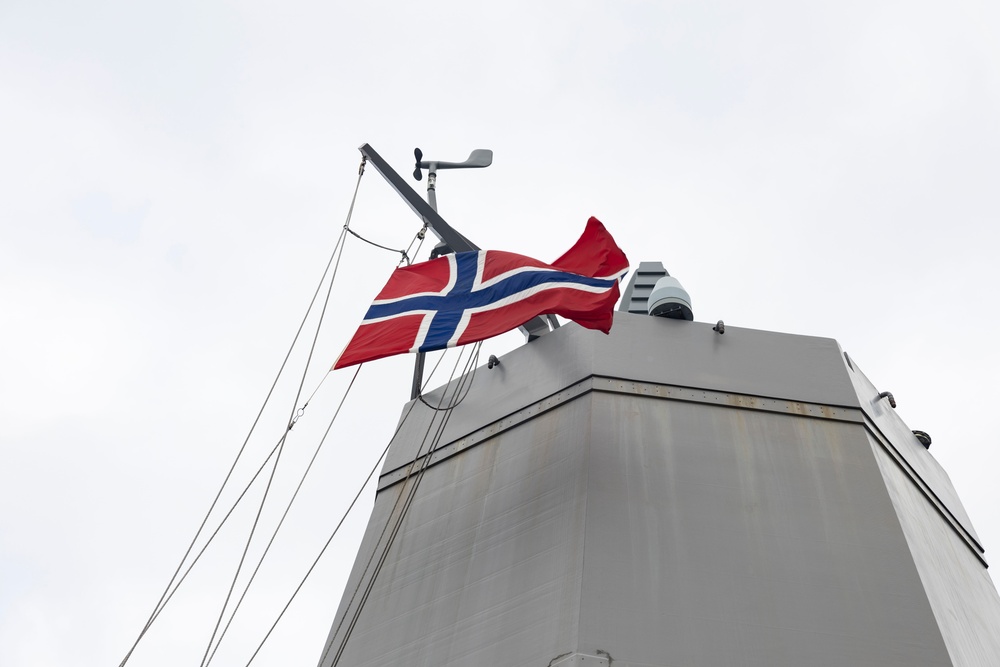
<point>350,507</point>
<point>167,594</point>
<point>291,423</point>
<point>285,513</point>
<point>417,477</point>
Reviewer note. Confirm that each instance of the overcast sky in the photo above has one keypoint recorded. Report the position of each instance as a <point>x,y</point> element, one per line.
<point>173,177</point>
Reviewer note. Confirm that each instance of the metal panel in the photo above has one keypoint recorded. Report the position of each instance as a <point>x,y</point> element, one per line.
<point>487,564</point>
<point>960,591</point>
<point>524,376</point>
<point>743,361</point>
<point>647,349</point>
<point>616,385</point>
<point>720,536</point>
<point>917,457</point>
<point>666,496</point>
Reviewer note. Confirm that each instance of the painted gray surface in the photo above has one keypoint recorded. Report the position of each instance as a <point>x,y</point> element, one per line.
<point>688,354</point>
<point>962,595</point>
<point>920,459</point>
<point>486,569</point>
<point>720,536</point>
<point>744,361</point>
<point>666,496</point>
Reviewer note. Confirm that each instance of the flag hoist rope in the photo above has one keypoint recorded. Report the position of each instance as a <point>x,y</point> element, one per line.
<point>442,414</point>
<point>336,528</point>
<point>177,578</point>
<point>338,252</point>
<point>284,515</point>
<point>295,495</point>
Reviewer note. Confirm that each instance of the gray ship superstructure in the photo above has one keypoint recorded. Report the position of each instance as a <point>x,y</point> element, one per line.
<point>675,494</point>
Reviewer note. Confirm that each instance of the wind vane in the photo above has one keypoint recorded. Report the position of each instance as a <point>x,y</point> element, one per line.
<point>451,239</point>
<point>481,157</point>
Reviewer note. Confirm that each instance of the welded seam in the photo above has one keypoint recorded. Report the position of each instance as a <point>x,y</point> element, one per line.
<point>598,383</point>
<point>632,388</point>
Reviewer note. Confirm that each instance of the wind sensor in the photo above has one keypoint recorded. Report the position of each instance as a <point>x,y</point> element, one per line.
<point>479,158</point>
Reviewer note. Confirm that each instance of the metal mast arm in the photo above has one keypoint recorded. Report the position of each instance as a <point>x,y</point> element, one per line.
<point>532,329</point>
<point>435,222</point>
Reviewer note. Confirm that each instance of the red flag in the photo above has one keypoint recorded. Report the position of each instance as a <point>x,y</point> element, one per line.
<point>470,296</point>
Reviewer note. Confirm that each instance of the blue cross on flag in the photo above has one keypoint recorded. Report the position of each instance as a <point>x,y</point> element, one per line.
<point>470,296</point>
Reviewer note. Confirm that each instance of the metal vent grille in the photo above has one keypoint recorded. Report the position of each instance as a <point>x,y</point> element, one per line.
<point>640,286</point>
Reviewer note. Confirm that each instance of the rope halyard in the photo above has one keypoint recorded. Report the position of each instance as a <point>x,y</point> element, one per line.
<point>343,518</point>
<point>293,417</point>
<point>209,652</point>
<point>473,362</point>
<point>288,507</point>
<point>273,458</point>
<point>177,578</point>
<point>405,256</point>
<point>417,478</point>
<point>377,245</point>
<point>419,240</point>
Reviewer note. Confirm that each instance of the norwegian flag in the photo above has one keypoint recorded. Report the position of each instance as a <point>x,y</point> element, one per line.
<point>470,296</point>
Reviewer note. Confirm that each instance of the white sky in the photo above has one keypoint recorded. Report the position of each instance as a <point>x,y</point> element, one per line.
<point>173,177</point>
